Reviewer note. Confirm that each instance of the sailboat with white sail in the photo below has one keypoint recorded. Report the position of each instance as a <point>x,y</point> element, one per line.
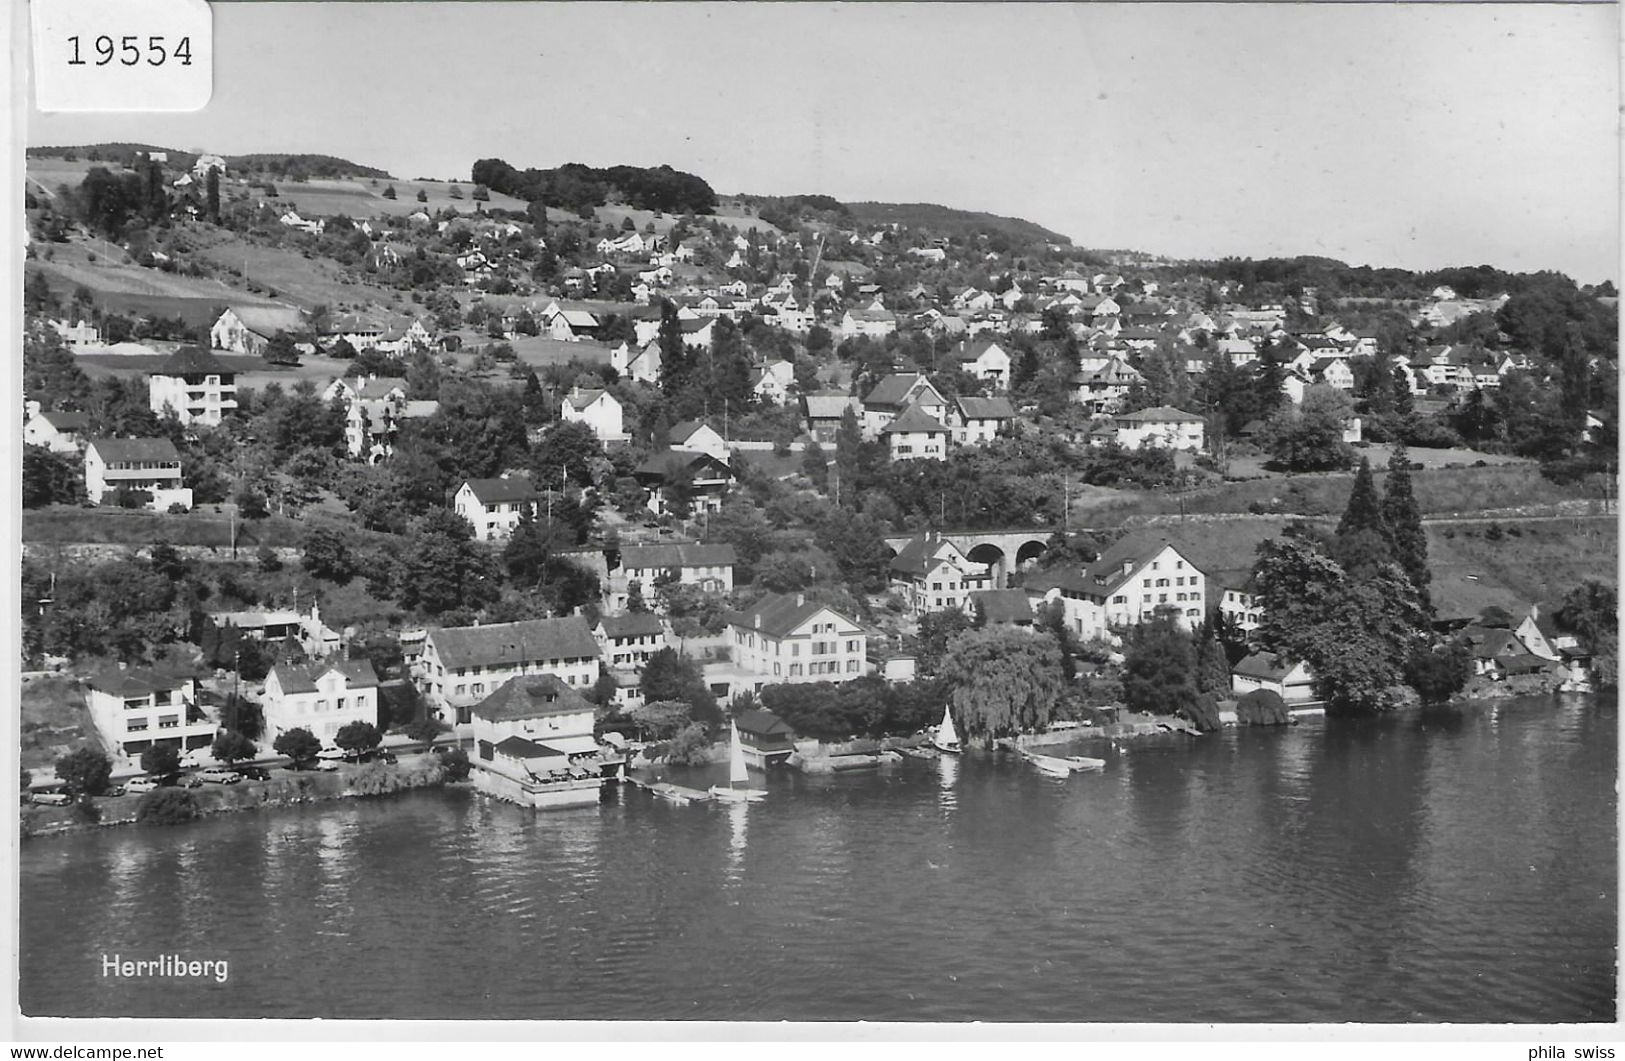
<point>946,739</point>
<point>736,791</point>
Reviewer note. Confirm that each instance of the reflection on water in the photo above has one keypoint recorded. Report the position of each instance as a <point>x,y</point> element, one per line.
<point>1448,867</point>
<point>948,778</point>
<point>737,815</point>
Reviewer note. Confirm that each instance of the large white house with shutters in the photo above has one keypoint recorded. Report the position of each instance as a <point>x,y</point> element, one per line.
<point>462,665</point>
<point>932,575</point>
<point>322,697</point>
<point>1126,585</point>
<point>785,637</point>
<point>494,507</point>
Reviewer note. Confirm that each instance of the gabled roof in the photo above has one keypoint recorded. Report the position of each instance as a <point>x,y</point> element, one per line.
<point>893,389</point>
<point>759,722</point>
<point>358,674</point>
<point>1003,605</point>
<point>581,399</point>
<point>531,696</point>
<point>645,557</point>
<point>829,406</point>
<point>1162,414</point>
<point>1134,551</point>
<point>495,491</point>
<point>1264,665</point>
<point>632,624</point>
<point>378,387</point>
<point>779,614</point>
<point>672,463</point>
<point>914,418</point>
<point>192,361</point>
<point>506,643</point>
<point>520,748</point>
<point>919,555</point>
<point>684,430</point>
<point>135,449</point>
<point>65,421</point>
<point>972,408</point>
<point>974,349</point>
<point>268,320</point>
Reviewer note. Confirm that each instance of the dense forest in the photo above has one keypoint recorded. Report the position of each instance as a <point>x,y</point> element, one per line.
<point>578,188</point>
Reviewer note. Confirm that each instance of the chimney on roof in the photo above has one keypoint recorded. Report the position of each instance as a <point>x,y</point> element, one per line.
<point>756,620</point>
<point>1128,565</point>
<point>123,665</point>
<point>801,598</point>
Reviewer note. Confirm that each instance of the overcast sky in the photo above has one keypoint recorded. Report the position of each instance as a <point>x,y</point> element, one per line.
<point>1416,136</point>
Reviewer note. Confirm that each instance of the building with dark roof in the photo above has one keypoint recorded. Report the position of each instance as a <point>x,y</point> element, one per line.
<point>135,708</point>
<point>250,329</point>
<point>58,432</point>
<point>461,665</point>
<point>931,574</point>
<point>784,637</point>
<point>322,697</point>
<point>1290,679</point>
<point>824,411</point>
<point>895,393</point>
<point>915,434</point>
<point>1003,607</point>
<point>1126,585</point>
<point>627,641</point>
<point>985,359</point>
<point>710,567</point>
<point>765,737</point>
<point>149,464</point>
<point>534,744</point>
<point>194,386</point>
<point>699,479</point>
<point>494,507</point>
<point>977,420</point>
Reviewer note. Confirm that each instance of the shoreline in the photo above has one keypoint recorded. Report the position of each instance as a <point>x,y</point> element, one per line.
<point>377,780</point>
<point>282,791</point>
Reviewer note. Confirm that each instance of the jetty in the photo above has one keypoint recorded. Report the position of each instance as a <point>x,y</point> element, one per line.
<point>669,792</point>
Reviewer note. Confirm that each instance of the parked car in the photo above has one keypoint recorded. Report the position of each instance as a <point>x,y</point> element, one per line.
<point>254,773</point>
<point>51,799</point>
<point>113,790</point>
<point>331,755</point>
<point>138,785</point>
<point>219,775</point>
<point>326,766</point>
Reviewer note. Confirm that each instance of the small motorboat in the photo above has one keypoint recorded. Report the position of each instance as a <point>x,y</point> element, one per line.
<point>1060,766</point>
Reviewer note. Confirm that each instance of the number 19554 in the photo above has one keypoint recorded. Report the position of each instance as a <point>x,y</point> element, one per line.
<point>128,51</point>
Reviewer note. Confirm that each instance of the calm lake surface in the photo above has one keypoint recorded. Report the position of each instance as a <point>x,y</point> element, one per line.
<point>1452,866</point>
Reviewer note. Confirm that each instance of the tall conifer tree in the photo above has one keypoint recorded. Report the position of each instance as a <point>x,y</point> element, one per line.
<point>1404,520</point>
<point>1363,543</point>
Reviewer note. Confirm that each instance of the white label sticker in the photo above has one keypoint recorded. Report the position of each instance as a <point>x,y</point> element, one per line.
<point>122,55</point>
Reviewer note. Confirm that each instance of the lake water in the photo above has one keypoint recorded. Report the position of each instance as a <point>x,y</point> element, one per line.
<point>1443,866</point>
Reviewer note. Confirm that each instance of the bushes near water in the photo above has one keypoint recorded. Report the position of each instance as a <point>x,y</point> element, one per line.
<point>167,806</point>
